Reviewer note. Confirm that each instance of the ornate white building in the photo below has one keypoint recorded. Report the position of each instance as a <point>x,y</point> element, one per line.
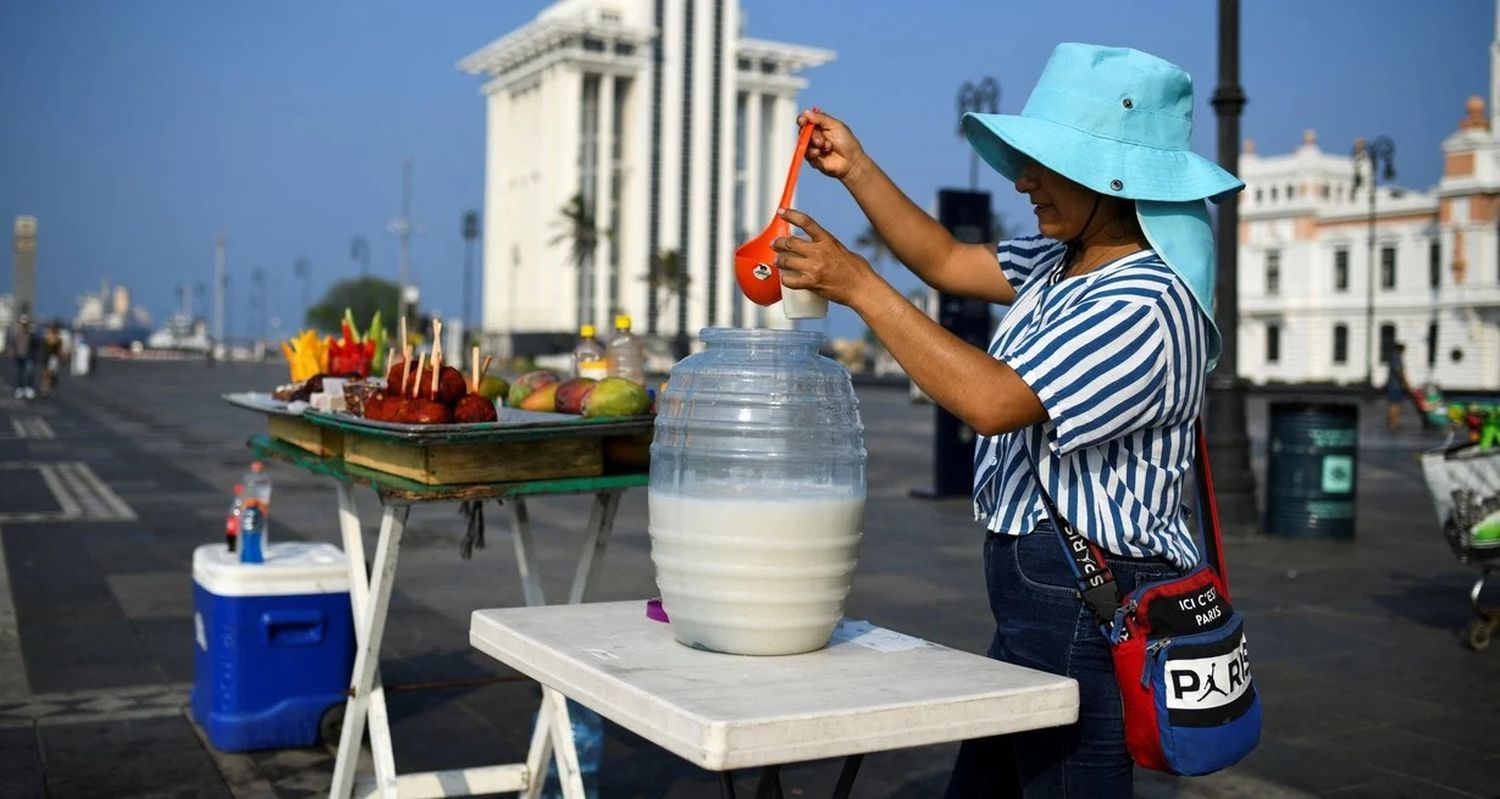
<point>1306,276</point>
<point>672,130</point>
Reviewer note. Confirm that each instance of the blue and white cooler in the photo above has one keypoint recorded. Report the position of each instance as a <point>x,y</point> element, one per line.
<point>274,644</point>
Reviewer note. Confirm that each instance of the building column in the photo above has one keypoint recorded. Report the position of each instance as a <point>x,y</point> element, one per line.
<point>603,200</point>
<point>754,210</point>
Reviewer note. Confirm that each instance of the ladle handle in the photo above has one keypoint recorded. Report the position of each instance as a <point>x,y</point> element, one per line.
<point>791,175</point>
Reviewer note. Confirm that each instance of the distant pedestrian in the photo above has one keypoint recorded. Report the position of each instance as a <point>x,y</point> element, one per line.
<point>22,344</point>
<point>1397,389</point>
<point>52,356</point>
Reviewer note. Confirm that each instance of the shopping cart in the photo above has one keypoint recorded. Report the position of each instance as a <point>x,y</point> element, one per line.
<point>1464,483</point>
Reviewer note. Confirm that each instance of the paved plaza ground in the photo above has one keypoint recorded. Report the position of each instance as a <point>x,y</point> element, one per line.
<point>106,488</point>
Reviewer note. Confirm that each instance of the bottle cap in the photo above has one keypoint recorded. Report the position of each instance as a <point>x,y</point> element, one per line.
<point>239,488</point>
<point>587,331</point>
<point>622,322</point>
<point>257,466</point>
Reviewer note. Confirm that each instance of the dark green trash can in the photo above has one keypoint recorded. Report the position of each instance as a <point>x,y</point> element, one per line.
<point>1312,470</point>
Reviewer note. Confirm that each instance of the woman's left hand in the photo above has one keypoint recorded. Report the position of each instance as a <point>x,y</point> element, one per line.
<point>821,262</point>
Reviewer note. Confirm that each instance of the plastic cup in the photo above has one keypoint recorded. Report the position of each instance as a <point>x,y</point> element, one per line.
<point>801,303</point>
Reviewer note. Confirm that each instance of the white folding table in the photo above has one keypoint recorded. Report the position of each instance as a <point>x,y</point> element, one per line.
<point>871,690</point>
<point>370,596</point>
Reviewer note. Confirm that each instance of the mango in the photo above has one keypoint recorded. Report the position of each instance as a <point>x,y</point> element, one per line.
<point>572,394</point>
<point>527,383</point>
<point>542,399</point>
<point>493,388</point>
<point>617,396</point>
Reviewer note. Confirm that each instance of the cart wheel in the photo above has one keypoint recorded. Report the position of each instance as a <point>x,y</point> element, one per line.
<point>330,726</point>
<point>1479,634</point>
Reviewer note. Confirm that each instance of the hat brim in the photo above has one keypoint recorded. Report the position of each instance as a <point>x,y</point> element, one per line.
<point>1007,141</point>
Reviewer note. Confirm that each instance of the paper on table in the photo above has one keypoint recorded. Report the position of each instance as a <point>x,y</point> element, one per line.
<point>867,635</point>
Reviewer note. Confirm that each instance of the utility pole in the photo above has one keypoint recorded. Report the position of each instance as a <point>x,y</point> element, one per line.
<point>302,269</point>
<point>1229,440</point>
<point>221,286</point>
<point>359,250</point>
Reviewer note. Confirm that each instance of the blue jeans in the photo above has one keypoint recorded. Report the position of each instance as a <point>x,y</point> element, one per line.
<point>1042,624</point>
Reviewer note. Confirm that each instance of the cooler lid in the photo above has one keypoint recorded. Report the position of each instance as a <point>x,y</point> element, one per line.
<point>291,567</point>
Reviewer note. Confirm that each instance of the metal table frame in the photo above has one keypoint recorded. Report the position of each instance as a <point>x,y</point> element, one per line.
<point>370,597</point>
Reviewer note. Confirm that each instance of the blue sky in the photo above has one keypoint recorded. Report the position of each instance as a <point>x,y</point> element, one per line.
<point>136,130</point>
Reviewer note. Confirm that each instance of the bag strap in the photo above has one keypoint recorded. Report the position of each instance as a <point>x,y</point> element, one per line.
<point>1096,583</point>
<point>1208,507</point>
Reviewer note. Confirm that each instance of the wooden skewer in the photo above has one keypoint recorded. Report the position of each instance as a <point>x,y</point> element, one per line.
<point>416,386</point>
<point>390,363</point>
<point>474,367</point>
<point>406,370</point>
<point>437,353</point>
<point>404,347</point>
<point>483,370</point>
<point>437,369</point>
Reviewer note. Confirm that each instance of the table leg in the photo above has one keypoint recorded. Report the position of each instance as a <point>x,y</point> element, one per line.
<point>531,578</point>
<point>367,663</point>
<point>769,786</point>
<point>596,541</point>
<point>359,592</point>
<point>564,751</point>
<point>540,752</point>
<point>726,784</point>
<point>847,775</point>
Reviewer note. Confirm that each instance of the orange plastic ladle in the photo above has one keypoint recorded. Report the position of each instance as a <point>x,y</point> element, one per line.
<point>755,261</point>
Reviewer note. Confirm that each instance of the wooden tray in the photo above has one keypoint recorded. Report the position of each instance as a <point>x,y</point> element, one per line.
<point>290,426</point>
<point>522,445</point>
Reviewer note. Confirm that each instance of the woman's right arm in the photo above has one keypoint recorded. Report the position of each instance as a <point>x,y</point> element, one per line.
<point>914,237</point>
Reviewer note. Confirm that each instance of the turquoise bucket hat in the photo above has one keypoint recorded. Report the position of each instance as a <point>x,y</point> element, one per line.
<point>1120,122</point>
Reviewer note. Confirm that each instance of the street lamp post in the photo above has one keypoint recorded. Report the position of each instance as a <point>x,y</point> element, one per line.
<point>470,233</point>
<point>1378,156</point>
<point>1227,426</point>
<point>979,98</point>
<point>359,250</point>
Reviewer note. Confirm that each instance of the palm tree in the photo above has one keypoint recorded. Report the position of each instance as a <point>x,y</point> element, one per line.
<point>667,275</point>
<point>872,243</point>
<point>582,236</point>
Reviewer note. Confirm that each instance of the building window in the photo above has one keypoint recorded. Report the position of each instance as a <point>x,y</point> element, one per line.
<point>1291,191</point>
<point>1434,264</point>
<point>624,48</point>
<point>1273,271</point>
<point>1323,191</point>
<point>1387,341</point>
<point>1341,269</point>
<point>1387,267</point>
<point>1273,343</point>
<point>593,45</point>
<point>1260,195</point>
<point>1340,344</point>
<point>1273,194</point>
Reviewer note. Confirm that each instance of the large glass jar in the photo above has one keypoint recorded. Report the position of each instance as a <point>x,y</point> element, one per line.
<point>757,493</point>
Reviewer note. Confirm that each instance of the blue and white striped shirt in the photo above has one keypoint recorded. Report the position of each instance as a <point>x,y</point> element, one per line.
<point>1118,358</point>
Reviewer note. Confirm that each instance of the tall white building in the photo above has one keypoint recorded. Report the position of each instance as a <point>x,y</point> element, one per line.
<point>1305,267</point>
<point>671,130</point>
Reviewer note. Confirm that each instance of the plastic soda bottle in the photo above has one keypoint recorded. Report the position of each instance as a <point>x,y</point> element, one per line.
<point>232,519</point>
<point>588,356</point>
<point>254,514</point>
<point>626,353</point>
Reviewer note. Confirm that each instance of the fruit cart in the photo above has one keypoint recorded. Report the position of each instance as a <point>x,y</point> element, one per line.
<point>1464,482</point>
<point>518,456</point>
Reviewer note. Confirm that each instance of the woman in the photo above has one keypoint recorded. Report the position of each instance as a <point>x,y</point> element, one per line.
<point>1093,380</point>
